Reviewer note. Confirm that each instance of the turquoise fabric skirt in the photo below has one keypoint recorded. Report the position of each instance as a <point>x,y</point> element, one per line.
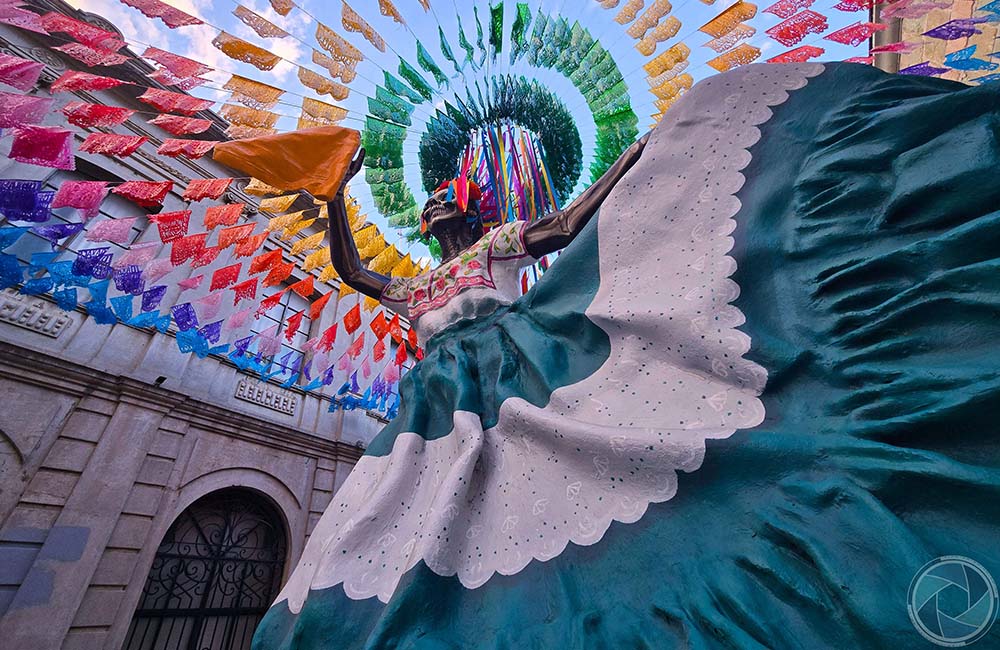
<point>868,262</point>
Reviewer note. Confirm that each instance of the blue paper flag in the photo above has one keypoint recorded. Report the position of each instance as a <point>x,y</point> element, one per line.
<point>122,306</point>
<point>62,274</point>
<point>66,298</point>
<point>100,313</point>
<point>11,271</point>
<point>315,384</point>
<point>37,286</point>
<point>10,234</point>
<point>99,291</point>
<point>40,261</point>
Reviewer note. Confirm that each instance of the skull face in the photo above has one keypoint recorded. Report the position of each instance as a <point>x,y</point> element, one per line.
<point>439,211</point>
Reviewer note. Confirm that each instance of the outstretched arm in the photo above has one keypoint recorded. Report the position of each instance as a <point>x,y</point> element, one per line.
<point>343,251</point>
<point>557,230</point>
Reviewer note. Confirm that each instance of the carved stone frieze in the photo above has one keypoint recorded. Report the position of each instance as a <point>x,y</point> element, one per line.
<point>32,313</point>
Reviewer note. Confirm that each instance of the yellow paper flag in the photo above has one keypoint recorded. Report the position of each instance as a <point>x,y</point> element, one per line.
<point>260,188</point>
<point>296,228</point>
<point>309,243</point>
<point>328,273</point>
<point>385,261</point>
<point>277,203</point>
<point>316,259</point>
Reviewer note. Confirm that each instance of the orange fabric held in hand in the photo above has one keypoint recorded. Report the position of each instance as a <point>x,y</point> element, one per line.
<point>314,160</point>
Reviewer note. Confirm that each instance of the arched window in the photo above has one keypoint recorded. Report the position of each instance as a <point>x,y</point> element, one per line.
<point>215,574</point>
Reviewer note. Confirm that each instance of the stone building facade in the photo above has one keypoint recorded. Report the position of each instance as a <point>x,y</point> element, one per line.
<point>985,42</point>
<point>127,468</point>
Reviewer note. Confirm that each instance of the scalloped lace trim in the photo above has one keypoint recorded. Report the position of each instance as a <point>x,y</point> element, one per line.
<point>476,503</point>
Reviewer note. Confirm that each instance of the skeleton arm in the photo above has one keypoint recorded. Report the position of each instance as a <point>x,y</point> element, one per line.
<point>557,230</point>
<point>343,251</point>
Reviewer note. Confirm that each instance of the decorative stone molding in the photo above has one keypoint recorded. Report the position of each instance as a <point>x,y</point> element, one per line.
<point>32,313</point>
<point>268,396</point>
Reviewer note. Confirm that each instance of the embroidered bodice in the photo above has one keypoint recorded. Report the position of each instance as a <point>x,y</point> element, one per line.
<point>480,279</point>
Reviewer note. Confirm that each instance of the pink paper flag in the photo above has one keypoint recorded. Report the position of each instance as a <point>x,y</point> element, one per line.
<point>113,144</point>
<point>268,342</point>
<point>29,20</point>
<point>90,56</point>
<point>208,306</point>
<point>180,66</point>
<point>19,73</point>
<point>137,255</point>
<point>83,32</point>
<point>191,283</point>
<point>171,16</point>
<point>238,319</point>
<point>117,231</point>
<point>85,196</point>
<point>19,110</point>
<point>45,146</point>
<point>71,81</point>
<point>188,148</point>
<point>156,270</point>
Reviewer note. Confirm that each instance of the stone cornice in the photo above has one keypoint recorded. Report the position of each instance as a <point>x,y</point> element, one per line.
<point>43,370</point>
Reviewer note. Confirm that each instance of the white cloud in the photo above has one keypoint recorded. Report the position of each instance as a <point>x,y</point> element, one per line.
<point>137,29</point>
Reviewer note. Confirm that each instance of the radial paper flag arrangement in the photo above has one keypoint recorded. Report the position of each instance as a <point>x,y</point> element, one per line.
<point>532,100</point>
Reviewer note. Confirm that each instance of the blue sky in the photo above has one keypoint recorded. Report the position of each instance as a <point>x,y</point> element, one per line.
<point>195,42</point>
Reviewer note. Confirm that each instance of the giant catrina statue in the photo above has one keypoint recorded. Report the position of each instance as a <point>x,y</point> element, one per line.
<point>757,392</point>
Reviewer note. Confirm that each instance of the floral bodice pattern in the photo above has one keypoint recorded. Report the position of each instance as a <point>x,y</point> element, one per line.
<point>486,272</point>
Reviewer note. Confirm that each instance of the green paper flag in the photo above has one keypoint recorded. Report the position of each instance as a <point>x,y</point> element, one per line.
<point>496,28</point>
<point>446,50</point>
<point>400,89</point>
<point>412,77</point>
<point>479,35</point>
<point>519,31</point>
<point>464,43</point>
<point>427,63</point>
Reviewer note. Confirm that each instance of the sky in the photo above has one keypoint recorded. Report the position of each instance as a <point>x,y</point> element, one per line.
<point>195,42</point>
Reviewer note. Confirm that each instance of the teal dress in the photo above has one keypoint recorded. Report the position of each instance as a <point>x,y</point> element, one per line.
<point>743,409</point>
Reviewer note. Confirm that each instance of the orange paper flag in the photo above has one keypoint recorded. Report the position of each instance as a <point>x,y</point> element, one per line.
<point>314,160</point>
<point>265,262</point>
<point>249,246</point>
<point>379,325</point>
<point>303,287</point>
<point>395,329</point>
<point>279,274</point>
<point>316,308</point>
<point>352,320</point>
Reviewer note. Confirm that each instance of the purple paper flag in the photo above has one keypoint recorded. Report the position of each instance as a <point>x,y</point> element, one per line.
<point>924,69</point>
<point>129,280</point>
<point>152,297</point>
<point>184,316</point>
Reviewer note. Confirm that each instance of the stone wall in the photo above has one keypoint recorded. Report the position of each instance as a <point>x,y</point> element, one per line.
<point>97,466</point>
<point>107,433</point>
